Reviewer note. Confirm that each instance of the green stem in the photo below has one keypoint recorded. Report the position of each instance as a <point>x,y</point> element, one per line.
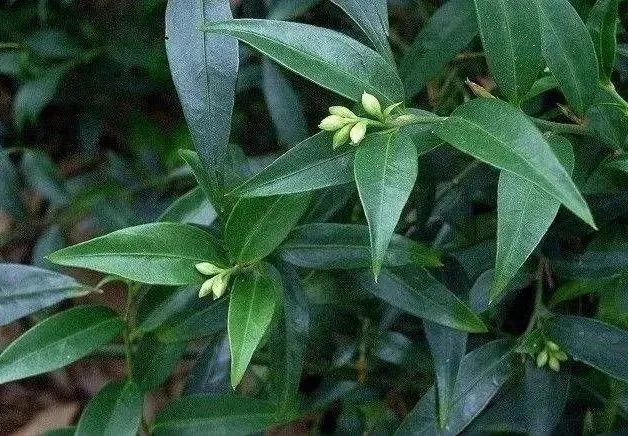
<point>538,299</point>
<point>561,128</point>
<point>410,119</point>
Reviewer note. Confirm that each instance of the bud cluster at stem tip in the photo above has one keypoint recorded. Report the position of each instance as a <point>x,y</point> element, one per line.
<point>217,283</point>
<point>348,126</point>
<point>551,355</point>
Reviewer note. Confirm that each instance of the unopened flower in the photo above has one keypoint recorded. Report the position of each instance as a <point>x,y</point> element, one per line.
<point>208,269</point>
<point>371,105</point>
<point>332,123</point>
<point>342,111</point>
<point>342,135</point>
<point>358,132</point>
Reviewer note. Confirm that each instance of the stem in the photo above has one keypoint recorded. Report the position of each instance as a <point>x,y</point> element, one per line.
<point>538,298</point>
<point>410,119</point>
<point>569,129</point>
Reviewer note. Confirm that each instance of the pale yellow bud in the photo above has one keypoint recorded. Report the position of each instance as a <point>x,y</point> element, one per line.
<point>342,111</point>
<point>342,136</point>
<point>358,132</point>
<point>554,363</point>
<point>332,123</point>
<point>552,346</point>
<point>541,359</point>
<point>206,287</point>
<point>219,286</point>
<point>208,269</point>
<point>371,105</point>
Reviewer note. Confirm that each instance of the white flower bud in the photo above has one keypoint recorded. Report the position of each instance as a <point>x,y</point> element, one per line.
<point>342,136</point>
<point>541,359</point>
<point>219,286</point>
<point>208,269</point>
<point>371,105</point>
<point>358,132</point>
<point>554,363</point>
<point>342,111</point>
<point>332,123</point>
<point>206,287</point>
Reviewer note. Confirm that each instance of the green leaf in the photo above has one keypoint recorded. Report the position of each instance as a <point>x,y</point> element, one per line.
<point>578,288</point>
<point>257,226</point>
<point>568,52</point>
<point>159,304</point>
<point>204,69</point>
<point>154,361</point>
<point>372,17</point>
<point>289,9</point>
<point>482,372</point>
<point>497,133</point>
<point>210,374</point>
<point>254,296</point>
<point>58,341</point>
<point>204,179</point>
<point>620,163</point>
<point>422,134</point>
<point>544,395</point>
<point>210,414</point>
<point>416,292</point>
<point>328,58</point>
<point>115,411</point>
<point>312,164</point>
<point>157,253</point>
<point>42,176</point>
<point>592,342</point>
<point>190,208</point>
<point>510,35</point>
<point>452,27</point>
<point>10,202</point>
<point>26,289</point>
<point>448,347</point>
<point>386,167</point>
<point>524,214</point>
<point>605,256</point>
<point>347,246</point>
<point>602,24</point>
<point>196,323</point>
<point>51,239</point>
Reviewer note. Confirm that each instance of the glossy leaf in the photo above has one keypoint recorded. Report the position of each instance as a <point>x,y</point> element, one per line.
<point>510,35</point>
<point>254,296</point>
<point>191,208</point>
<point>210,374</point>
<point>154,361</point>
<point>452,27</point>
<point>602,24</point>
<point>372,17</point>
<point>51,240</point>
<point>204,178</point>
<point>157,253</point>
<point>310,165</point>
<point>198,322</point>
<point>257,226</point>
<point>159,304</point>
<point>288,9</point>
<point>347,246</point>
<point>211,414</point>
<point>115,411</point>
<point>26,289</point>
<point>592,342</point>
<point>386,167</point>
<point>414,291</point>
<point>58,341</point>
<point>568,52</point>
<point>204,69</point>
<point>501,135</point>
<point>524,214</point>
<point>328,58</point>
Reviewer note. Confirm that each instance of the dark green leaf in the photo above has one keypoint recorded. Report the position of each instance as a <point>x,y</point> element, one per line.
<point>524,214</point>
<point>602,24</point>
<point>42,176</point>
<point>157,253</point>
<point>497,133</point>
<point>347,246</point>
<point>592,342</point>
<point>115,411</point>
<point>254,296</point>
<point>312,164</point>
<point>510,36</point>
<point>605,256</point>
<point>289,9</point>
<point>545,393</point>
<point>190,208</point>
<point>386,167</point>
<point>414,291</point>
<point>449,30</point>
<point>568,52</point>
<point>51,240</point>
<point>329,59</point>
<point>206,179</point>
<point>26,289</point>
<point>210,374</point>
<point>154,361</point>
<point>195,323</point>
<point>578,288</point>
<point>422,134</point>
<point>158,304</point>
<point>58,341</point>
<point>257,226</point>
<point>10,202</point>
<point>218,415</point>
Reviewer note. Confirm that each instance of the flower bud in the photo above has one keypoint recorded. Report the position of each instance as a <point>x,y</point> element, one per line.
<point>342,111</point>
<point>219,286</point>
<point>332,123</point>
<point>206,287</point>
<point>552,346</point>
<point>560,355</point>
<point>342,136</point>
<point>358,132</point>
<point>541,359</point>
<point>208,269</point>
<point>371,105</point>
<point>479,90</point>
<point>554,363</point>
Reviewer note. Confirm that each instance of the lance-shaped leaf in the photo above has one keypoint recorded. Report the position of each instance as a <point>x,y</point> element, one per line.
<point>198,322</point>
<point>524,214</point>
<point>10,202</point>
<point>210,374</point>
<point>347,246</point>
<point>510,35</point>
<point>372,17</point>
<point>310,165</point>
<point>416,292</point>
<point>204,69</point>
<point>157,253</point>
<point>482,373</point>
<point>289,9</point>
<point>328,58</point>
<point>386,166</point>
<point>602,24</point>
<point>568,52</point>
<point>58,341</point>
<point>154,361</point>
<point>257,226</point>
<point>254,296</point>
<point>211,414</point>
<point>26,289</point>
<point>190,208</point>
<point>452,27</point>
<point>593,342</point>
<point>501,135</point>
<point>115,411</point>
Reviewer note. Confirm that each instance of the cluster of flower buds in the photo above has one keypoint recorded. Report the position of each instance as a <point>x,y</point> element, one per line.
<point>348,126</point>
<point>217,283</point>
<point>551,355</point>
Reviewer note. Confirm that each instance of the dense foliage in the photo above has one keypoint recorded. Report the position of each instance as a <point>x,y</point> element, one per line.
<point>406,269</point>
